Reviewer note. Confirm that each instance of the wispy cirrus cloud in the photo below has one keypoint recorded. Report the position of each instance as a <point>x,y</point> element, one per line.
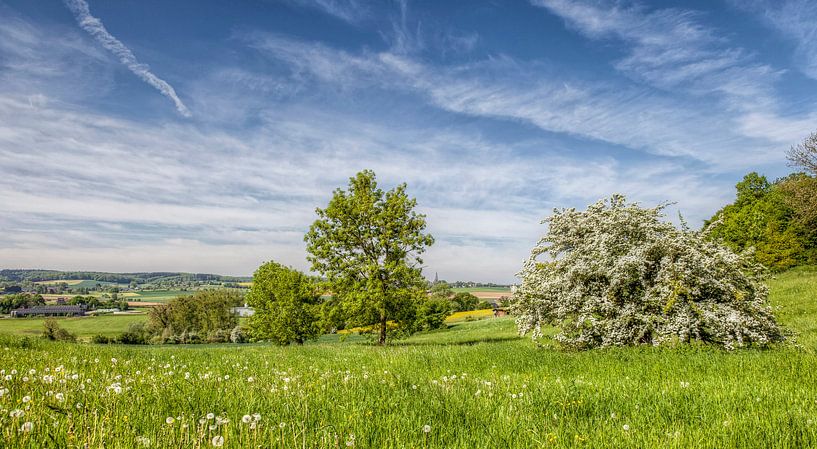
<point>351,11</point>
<point>795,20</point>
<point>95,28</point>
<point>503,88</point>
<point>671,49</point>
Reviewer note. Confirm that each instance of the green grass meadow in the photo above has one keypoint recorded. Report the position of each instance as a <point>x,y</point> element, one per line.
<point>475,385</point>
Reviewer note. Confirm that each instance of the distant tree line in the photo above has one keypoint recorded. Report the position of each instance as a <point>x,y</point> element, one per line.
<point>155,278</point>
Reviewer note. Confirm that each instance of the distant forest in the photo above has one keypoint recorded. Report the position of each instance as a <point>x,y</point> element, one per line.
<point>117,278</point>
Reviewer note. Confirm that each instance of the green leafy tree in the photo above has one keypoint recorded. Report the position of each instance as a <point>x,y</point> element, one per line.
<point>441,289</point>
<point>463,301</point>
<point>367,244</point>
<point>190,319</point>
<point>286,305</point>
<point>19,300</point>
<point>762,219</point>
<point>432,312</point>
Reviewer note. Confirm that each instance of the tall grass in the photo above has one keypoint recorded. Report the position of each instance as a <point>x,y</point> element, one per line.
<point>475,385</point>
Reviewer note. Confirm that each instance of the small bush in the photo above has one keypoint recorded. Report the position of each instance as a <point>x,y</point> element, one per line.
<point>137,334</point>
<point>53,331</point>
<point>237,335</point>
<point>102,339</point>
<point>218,336</point>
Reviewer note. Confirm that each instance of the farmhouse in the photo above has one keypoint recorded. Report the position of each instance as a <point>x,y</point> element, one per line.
<point>49,311</point>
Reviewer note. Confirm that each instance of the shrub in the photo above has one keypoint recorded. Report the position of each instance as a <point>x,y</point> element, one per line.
<point>102,339</point>
<point>53,331</point>
<point>432,312</point>
<point>618,275</point>
<point>137,334</point>
<point>484,305</point>
<point>237,335</point>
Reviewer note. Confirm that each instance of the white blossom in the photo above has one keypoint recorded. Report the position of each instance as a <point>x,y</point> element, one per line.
<point>616,274</point>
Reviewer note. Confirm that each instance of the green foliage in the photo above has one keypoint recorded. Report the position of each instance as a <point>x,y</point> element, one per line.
<point>441,289</point>
<point>186,319</point>
<point>367,244</point>
<point>464,301</point>
<point>53,331</point>
<point>484,305</point>
<point>285,302</point>
<point>19,300</point>
<point>476,384</point>
<point>762,219</point>
<point>432,312</point>
<point>137,334</point>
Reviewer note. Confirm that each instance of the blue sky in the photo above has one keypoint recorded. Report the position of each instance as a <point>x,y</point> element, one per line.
<point>200,136</point>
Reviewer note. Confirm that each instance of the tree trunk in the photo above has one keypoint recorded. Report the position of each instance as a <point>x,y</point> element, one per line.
<point>382,329</point>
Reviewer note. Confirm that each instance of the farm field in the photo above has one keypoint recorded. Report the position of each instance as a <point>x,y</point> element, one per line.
<point>83,327</point>
<point>476,384</point>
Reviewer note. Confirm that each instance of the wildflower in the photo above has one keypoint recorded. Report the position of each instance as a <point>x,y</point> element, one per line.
<point>426,428</point>
<point>218,441</point>
<point>684,384</point>
<point>351,441</point>
<point>170,420</point>
<point>144,441</point>
<point>626,427</point>
<point>212,427</point>
<point>210,416</point>
<point>26,399</point>
<point>256,416</point>
<point>26,427</point>
<point>250,379</point>
<point>246,419</point>
<point>113,360</point>
<point>282,425</point>
<point>17,413</point>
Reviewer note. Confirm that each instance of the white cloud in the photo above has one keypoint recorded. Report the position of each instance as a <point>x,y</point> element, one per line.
<point>83,190</point>
<point>95,28</point>
<point>351,11</point>
<point>794,19</point>
<point>670,49</point>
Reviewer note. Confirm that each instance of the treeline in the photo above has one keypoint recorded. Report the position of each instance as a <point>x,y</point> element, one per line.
<point>203,317</point>
<point>37,275</point>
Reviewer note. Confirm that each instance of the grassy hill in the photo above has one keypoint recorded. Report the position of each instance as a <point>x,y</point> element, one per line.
<point>476,385</point>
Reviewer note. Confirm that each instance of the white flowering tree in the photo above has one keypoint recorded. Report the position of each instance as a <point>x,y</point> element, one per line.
<point>616,274</point>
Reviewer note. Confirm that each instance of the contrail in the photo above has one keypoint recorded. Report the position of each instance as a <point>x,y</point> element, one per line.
<point>95,28</point>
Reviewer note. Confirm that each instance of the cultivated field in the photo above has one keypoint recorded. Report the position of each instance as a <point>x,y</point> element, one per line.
<point>475,384</point>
